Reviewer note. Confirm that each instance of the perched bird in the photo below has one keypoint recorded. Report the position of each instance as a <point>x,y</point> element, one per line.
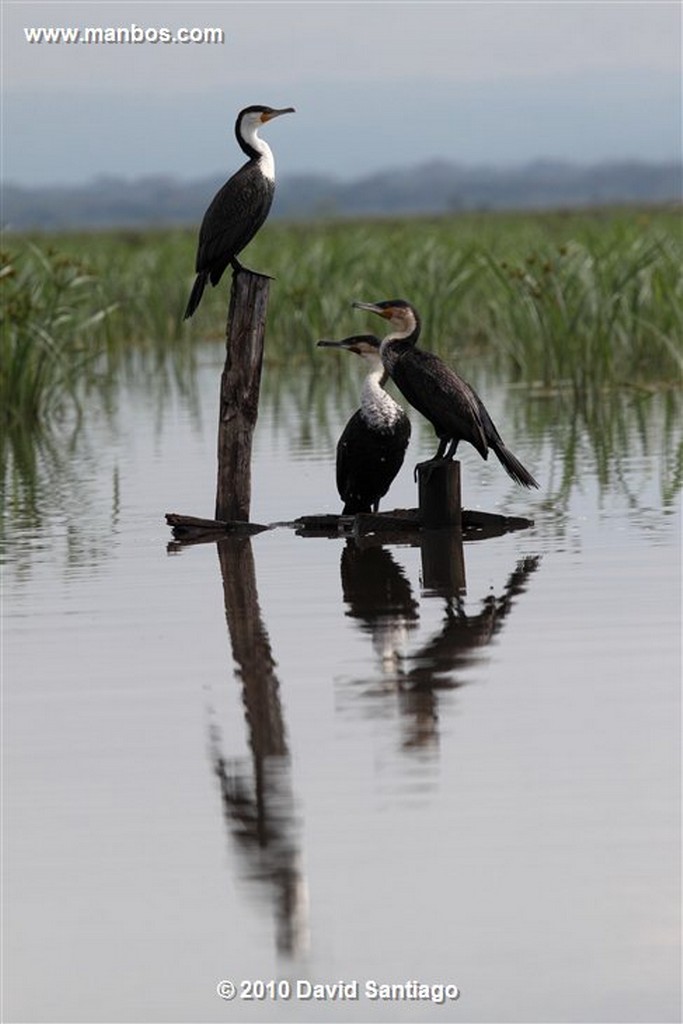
<point>239,209</point>
<point>451,405</point>
<point>373,444</point>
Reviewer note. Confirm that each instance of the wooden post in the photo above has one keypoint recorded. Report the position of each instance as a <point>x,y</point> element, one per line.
<point>240,386</point>
<point>439,493</point>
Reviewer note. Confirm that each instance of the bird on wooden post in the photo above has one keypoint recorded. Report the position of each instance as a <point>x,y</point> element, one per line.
<point>240,207</point>
<point>372,446</point>
<point>451,405</point>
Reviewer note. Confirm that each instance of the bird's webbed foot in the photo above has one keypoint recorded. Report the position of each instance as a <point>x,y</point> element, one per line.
<point>441,455</point>
<point>429,465</point>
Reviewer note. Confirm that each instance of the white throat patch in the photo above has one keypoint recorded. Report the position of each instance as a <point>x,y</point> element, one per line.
<point>265,159</point>
<point>378,408</point>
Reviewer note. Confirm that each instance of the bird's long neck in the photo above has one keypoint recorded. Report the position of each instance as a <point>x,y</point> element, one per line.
<point>377,406</point>
<point>256,148</point>
<point>402,338</point>
<point>394,345</point>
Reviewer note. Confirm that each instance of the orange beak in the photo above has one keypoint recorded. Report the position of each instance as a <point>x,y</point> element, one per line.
<point>371,307</point>
<point>268,115</point>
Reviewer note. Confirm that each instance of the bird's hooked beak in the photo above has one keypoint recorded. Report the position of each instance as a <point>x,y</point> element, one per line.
<point>372,307</point>
<point>362,344</point>
<point>268,115</point>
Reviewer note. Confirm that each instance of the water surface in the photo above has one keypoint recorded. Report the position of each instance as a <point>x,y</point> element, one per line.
<point>296,758</point>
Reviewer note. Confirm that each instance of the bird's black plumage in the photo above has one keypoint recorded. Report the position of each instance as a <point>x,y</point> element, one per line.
<point>239,208</point>
<point>372,446</point>
<point>451,405</point>
<point>368,460</point>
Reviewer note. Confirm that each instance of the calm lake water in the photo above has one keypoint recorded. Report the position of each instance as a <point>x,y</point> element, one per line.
<point>297,760</point>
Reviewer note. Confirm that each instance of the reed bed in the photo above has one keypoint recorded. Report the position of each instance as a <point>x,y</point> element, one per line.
<point>584,301</point>
<point>52,305</point>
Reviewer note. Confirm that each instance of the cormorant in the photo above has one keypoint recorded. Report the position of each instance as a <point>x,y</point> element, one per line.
<point>451,405</point>
<point>372,446</point>
<point>239,209</point>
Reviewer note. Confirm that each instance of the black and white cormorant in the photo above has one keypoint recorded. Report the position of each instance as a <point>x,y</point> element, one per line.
<point>451,405</point>
<point>239,209</point>
<point>373,444</point>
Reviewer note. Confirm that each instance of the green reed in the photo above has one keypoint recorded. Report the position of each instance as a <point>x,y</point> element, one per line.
<point>586,300</point>
<point>590,317</point>
<point>53,305</point>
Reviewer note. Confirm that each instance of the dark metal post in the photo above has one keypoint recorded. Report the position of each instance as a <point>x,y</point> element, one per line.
<point>240,386</point>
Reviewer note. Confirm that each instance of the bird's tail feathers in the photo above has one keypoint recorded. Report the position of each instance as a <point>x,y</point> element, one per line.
<point>513,467</point>
<point>196,294</point>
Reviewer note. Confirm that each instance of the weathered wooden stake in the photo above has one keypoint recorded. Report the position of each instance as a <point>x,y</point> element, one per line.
<point>439,493</point>
<point>240,386</point>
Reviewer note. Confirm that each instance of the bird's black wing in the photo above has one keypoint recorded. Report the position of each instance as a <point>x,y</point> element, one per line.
<point>348,447</point>
<point>234,216</point>
<point>442,396</point>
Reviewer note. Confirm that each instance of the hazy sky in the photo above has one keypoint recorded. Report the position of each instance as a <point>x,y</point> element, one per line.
<point>374,83</point>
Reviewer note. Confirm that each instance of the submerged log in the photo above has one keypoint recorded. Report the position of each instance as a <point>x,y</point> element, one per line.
<point>398,525</point>
<point>491,524</point>
<point>399,521</point>
<point>194,529</point>
<point>240,386</point>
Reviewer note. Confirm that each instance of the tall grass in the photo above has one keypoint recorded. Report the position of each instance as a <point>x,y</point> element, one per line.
<point>590,319</point>
<point>52,308</point>
<point>590,300</point>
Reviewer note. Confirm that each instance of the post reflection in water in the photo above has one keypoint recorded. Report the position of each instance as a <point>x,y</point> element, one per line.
<point>258,800</point>
<point>378,595</point>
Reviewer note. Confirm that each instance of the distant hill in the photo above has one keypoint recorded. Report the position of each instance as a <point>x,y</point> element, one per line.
<point>437,187</point>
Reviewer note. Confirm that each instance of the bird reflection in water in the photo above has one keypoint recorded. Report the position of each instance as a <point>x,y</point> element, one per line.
<point>258,801</point>
<point>378,595</point>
